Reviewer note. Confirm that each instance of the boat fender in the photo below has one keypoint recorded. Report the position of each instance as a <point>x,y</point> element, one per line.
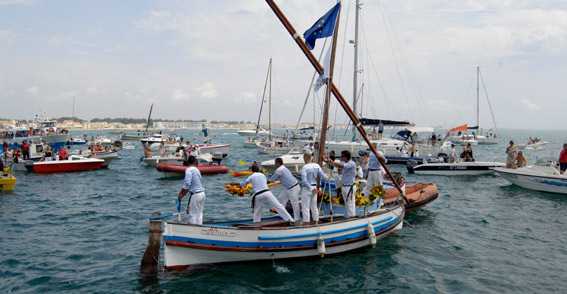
<point>117,145</point>
<point>371,235</point>
<point>321,246</point>
<point>29,165</point>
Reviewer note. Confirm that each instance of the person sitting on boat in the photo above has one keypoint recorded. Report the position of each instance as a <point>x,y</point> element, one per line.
<point>469,153</point>
<point>162,149</point>
<point>364,157</point>
<point>348,180</point>
<point>512,153</point>
<point>261,194</point>
<point>16,155</point>
<point>253,165</point>
<point>291,185</point>
<point>89,153</point>
<point>309,173</point>
<point>375,173</point>
<point>453,154</point>
<point>193,183</point>
<point>520,160</point>
<point>563,159</point>
<point>195,151</point>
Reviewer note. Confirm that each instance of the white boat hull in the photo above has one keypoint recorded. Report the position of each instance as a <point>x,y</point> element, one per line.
<point>539,178</point>
<point>456,169</point>
<point>187,244</point>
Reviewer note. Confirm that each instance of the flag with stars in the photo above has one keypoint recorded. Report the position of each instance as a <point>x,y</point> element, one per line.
<point>324,27</point>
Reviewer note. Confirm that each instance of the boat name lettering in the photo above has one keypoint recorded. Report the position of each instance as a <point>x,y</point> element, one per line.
<point>459,167</point>
<point>217,232</point>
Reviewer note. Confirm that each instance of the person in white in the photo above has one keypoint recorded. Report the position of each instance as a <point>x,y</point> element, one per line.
<point>375,172</point>
<point>261,194</point>
<point>309,148</point>
<point>348,181</point>
<point>291,187</point>
<point>309,174</point>
<point>193,183</point>
<point>453,154</point>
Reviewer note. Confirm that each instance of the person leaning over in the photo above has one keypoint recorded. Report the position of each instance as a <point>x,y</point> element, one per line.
<point>563,159</point>
<point>291,185</point>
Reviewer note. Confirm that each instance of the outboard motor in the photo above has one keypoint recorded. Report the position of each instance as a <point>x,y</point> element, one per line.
<point>411,164</point>
<point>29,165</point>
<point>217,157</point>
<point>443,157</point>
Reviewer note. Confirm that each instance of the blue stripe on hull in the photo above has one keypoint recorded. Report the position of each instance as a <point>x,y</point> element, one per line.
<point>234,244</point>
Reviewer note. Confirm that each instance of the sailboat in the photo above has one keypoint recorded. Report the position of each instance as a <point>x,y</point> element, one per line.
<point>488,137</point>
<point>139,135</point>
<point>272,238</point>
<point>272,146</point>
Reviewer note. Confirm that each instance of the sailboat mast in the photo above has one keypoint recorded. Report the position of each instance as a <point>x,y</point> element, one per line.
<point>149,115</point>
<point>73,118</point>
<point>270,106</point>
<point>477,100</point>
<point>340,99</point>
<point>355,75</point>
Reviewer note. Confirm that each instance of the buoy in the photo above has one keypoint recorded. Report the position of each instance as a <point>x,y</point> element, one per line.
<point>150,260</point>
<point>371,235</point>
<point>321,245</point>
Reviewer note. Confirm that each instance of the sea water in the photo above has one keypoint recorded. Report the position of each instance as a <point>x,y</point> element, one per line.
<point>86,232</point>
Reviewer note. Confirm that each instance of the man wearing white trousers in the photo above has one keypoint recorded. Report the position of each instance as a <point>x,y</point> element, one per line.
<point>309,174</point>
<point>348,178</point>
<point>291,187</point>
<point>193,183</point>
<point>261,193</point>
<point>375,172</point>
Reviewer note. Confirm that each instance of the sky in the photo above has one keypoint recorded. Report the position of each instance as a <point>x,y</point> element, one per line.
<point>209,60</point>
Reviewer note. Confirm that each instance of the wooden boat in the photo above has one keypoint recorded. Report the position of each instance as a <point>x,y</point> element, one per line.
<point>75,163</point>
<point>418,195</point>
<point>542,176</point>
<point>7,180</point>
<point>270,239</point>
<point>176,170</point>
<point>454,169</point>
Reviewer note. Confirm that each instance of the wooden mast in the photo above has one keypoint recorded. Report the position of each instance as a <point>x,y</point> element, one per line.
<point>334,89</point>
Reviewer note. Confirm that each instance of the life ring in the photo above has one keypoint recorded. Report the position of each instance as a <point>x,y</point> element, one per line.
<point>117,145</point>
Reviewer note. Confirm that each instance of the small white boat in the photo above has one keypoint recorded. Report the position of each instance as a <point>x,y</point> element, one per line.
<point>107,156</point>
<point>542,176</point>
<point>293,160</point>
<point>274,147</point>
<point>251,133</point>
<point>154,160</point>
<point>454,169</point>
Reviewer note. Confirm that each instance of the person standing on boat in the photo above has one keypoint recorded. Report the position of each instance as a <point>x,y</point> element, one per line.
<point>563,159</point>
<point>364,157</point>
<point>26,150</point>
<point>193,183</point>
<point>291,185</point>
<point>512,154</point>
<point>261,194</point>
<point>309,174</point>
<point>348,181</point>
<point>375,173</point>
<point>453,154</point>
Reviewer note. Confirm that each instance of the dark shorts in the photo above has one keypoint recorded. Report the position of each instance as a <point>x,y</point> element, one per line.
<point>380,132</point>
<point>563,166</point>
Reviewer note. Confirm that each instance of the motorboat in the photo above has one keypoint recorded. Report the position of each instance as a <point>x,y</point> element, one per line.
<point>293,160</point>
<point>405,159</point>
<point>544,176</point>
<point>46,132</point>
<point>74,163</point>
<point>76,141</point>
<point>7,180</point>
<point>274,147</point>
<point>253,133</point>
<point>107,156</point>
<point>454,169</point>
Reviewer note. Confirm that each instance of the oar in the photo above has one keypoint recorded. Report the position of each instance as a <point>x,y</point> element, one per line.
<point>242,162</point>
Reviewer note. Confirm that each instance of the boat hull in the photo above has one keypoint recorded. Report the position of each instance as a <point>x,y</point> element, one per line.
<point>455,169</point>
<point>67,165</point>
<point>7,180</point>
<point>210,243</point>
<point>533,180</point>
<point>176,170</point>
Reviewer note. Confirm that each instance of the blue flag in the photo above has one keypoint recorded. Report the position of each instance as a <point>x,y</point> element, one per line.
<point>324,27</point>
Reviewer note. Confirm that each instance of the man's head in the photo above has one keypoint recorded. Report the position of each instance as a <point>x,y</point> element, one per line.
<point>345,155</point>
<point>279,162</point>
<point>255,169</point>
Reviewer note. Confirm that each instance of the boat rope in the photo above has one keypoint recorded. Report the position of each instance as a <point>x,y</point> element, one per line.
<point>445,249</point>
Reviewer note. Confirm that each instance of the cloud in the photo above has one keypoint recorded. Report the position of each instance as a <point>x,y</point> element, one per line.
<point>7,36</point>
<point>530,105</point>
<point>22,2</point>
<point>207,90</point>
<point>178,94</point>
<point>246,97</point>
<point>32,91</point>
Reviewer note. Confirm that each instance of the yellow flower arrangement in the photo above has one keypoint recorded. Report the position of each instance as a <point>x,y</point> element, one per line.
<point>377,192</point>
<point>237,190</point>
